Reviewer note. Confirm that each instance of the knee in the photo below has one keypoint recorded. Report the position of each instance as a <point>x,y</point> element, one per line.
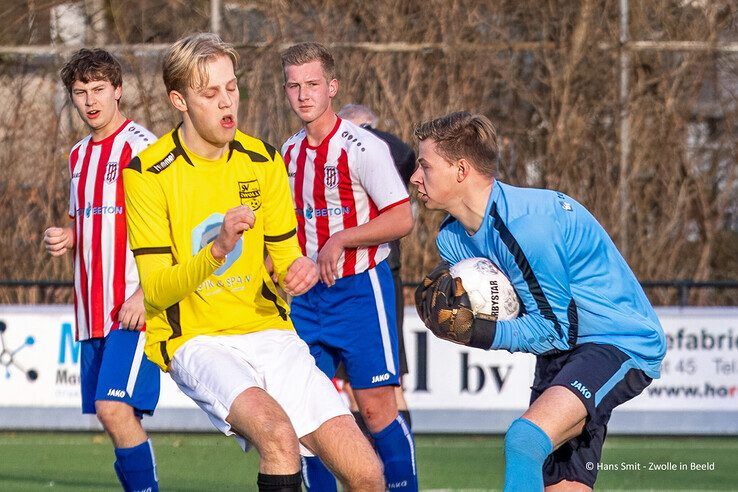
<point>277,439</point>
<point>258,417</point>
<point>114,415</point>
<point>526,439</point>
<point>369,476</point>
<point>378,408</point>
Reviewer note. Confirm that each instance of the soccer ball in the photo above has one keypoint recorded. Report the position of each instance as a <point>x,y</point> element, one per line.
<point>490,291</point>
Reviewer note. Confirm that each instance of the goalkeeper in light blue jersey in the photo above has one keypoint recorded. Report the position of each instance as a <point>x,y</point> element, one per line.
<point>583,314</point>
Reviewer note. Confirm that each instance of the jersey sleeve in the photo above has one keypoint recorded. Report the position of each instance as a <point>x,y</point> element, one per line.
<point>164,281</point>
<point>540,258</point>
<point>72,200</point>
<point>378,175</point>
<point>72,190</point>
<point>280,222</point>
<point>141,143</point>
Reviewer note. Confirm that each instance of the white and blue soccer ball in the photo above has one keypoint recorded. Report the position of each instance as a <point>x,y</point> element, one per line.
<point>490,291</point>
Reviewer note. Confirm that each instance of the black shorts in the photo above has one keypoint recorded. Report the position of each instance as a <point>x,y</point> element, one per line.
<point>602,377</point>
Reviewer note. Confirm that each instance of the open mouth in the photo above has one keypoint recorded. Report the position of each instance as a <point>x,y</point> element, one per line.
<point>227,121</point>
<point>93,114</point>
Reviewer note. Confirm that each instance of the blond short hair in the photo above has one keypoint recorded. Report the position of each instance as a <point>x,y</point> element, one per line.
<point>303,53</point>
<point>463,135</point>
<point>186,60</point>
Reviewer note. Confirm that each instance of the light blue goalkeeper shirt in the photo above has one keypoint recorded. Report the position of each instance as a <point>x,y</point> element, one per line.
<point>573,284</point>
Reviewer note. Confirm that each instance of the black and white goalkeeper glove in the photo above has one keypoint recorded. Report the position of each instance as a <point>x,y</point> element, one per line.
<point>445,308</point>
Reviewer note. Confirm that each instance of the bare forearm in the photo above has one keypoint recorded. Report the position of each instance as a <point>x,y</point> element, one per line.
<point>393,224</point>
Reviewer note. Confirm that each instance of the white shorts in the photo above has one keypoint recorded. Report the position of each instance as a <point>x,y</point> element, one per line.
<point>214,370</point>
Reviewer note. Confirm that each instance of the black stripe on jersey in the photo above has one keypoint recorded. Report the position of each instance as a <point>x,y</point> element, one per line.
<point>164,250</point>
<point>281,237</point>
<point>238,147</point>
<point>571,313</point>
<point>165,162</point>
<point>173,320</point>
<point>171,156</point>
<point>447,222</point>
<point>271,296</point>
<point>178,149</point>
<point>135,164</point>
<point>526,270</point>
<point>271,151</point>
<point>164,354</point>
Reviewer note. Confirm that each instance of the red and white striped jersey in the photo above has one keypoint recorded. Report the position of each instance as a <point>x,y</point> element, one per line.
<point>105,272</point>
<point>347,180</point>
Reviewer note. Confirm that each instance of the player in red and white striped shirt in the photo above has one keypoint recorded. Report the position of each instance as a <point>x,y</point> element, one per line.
<point>118,382</point>
<point>350,201</point>
<point>345,181</point>
<point>105,271</point>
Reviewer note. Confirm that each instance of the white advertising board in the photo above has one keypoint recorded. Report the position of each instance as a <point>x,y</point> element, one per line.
<point>700,371</point>
<point>39,369</point>
<point>39,360</point>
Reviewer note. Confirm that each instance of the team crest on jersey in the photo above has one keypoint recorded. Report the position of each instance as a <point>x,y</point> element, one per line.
<point>249,193</point>
<point>111,172</point>
<point>331,177</point>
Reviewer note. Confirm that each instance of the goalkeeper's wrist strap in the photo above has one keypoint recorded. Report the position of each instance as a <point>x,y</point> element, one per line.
<point>483,333</point>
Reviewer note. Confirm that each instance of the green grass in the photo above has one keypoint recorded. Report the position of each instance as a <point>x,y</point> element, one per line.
<point>82,461</point>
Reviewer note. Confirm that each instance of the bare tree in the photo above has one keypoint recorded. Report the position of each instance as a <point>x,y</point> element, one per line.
<point>547,73</point>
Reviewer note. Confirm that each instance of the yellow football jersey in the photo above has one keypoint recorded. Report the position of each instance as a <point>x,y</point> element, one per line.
<point>175,204</point>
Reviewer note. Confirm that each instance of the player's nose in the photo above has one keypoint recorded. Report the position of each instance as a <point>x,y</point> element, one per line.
<point>226,101</point>
<point>415,178</point>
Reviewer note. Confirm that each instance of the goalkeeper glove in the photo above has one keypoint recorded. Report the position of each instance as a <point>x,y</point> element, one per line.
<point>445,308</point>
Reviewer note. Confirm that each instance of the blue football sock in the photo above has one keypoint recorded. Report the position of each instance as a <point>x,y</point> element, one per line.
<point>138,467</point>
<point>121,477</point>
<point>316,476</point>
<point>526,448</point>
<point>396,448</point>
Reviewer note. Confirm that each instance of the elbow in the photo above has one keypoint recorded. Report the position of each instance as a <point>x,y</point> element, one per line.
<point>408,225</point>
<point>152,307</point>
<point>406,221</point>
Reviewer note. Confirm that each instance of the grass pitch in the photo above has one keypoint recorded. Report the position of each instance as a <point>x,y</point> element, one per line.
<point>195,462</point>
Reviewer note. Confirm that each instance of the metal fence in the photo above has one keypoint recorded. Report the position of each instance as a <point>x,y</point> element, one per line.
<point>60,291</point>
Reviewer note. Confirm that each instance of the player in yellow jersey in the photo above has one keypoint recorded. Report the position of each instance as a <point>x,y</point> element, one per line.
<point>205,202</point>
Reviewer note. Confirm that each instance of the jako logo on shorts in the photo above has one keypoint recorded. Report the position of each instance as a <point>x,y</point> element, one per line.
<point>582,389</point>
<point>380,377</point>
<point>116,393</point>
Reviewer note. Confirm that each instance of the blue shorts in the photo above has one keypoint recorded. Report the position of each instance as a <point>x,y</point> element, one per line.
<point>115,368</point>
<point>602,377</point>
<point>352,322</point>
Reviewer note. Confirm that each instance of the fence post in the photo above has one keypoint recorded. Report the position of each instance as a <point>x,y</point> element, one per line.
<point>683,294</point>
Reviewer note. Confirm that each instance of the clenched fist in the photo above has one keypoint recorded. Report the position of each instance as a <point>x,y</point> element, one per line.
<point>58,240</point>
<point>301,276</point>
<point>236,221</point>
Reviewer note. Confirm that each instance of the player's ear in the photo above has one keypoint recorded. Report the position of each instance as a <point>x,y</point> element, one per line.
<point>178,100</point>
<point>333,87</point>
<point>118,93</point>
<point>462,169</point>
